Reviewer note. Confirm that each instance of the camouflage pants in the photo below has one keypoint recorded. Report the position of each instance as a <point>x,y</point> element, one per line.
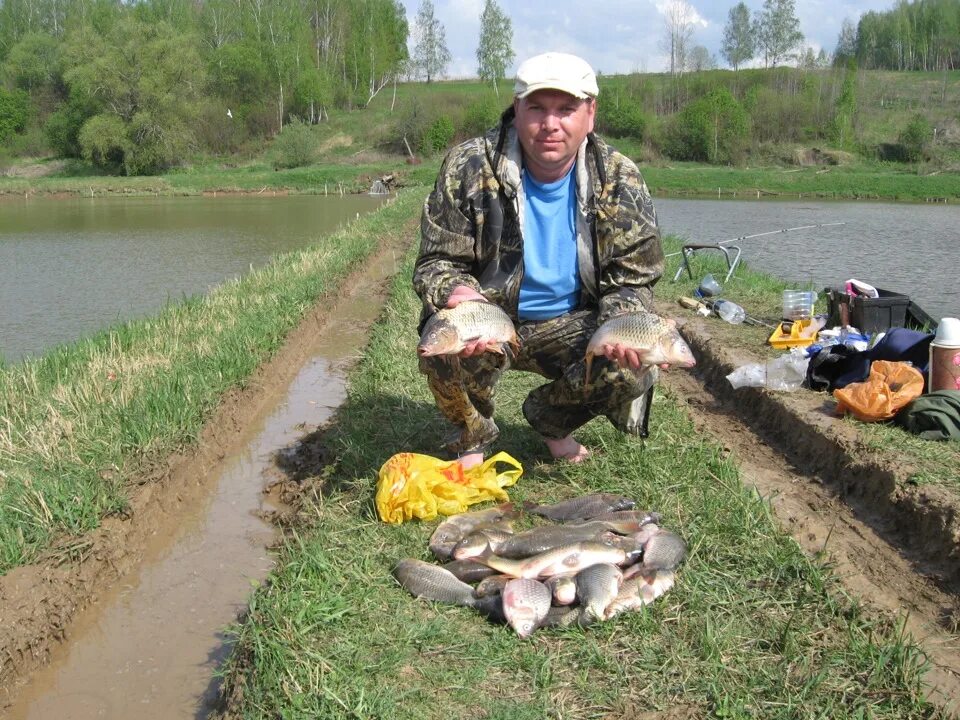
<point>464,387</point>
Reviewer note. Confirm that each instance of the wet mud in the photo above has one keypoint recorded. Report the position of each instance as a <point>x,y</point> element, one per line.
<point>162,585</point>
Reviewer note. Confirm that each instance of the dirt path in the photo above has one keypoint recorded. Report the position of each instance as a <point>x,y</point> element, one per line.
<point>801,458</point>
<point>43,607</point>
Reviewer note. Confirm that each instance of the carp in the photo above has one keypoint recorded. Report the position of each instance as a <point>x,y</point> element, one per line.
<point>655,340</point>
<point>449,330</point>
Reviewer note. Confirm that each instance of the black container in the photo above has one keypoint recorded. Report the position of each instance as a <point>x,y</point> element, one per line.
<point>869,315</point>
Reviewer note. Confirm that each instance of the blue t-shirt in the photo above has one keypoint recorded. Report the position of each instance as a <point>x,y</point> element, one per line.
<point>551,284</point>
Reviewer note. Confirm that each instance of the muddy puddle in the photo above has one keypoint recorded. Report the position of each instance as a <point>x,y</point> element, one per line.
<point>150,646</point>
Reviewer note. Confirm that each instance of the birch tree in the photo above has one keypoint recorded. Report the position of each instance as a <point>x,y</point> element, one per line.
<point>430,55</point>
<point>739,44</point>
<point>778,31</point>
<point>678,19</point>
<point>495,50</point>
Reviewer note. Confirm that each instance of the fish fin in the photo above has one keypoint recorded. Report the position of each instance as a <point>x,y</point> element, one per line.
<point>586,376</point>
<point>497,349</point>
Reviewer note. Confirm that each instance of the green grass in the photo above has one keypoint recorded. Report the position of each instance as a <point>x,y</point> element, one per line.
<point>753,629</point>
<point>863,182</point>
<point>82,420</point>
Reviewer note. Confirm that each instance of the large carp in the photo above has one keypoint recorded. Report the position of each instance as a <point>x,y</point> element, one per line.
<point>449,330</point>
<point>655,340</point>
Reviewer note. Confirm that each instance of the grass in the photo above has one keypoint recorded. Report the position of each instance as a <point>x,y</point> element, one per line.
<point>753,629</point>
<point>81,421</point>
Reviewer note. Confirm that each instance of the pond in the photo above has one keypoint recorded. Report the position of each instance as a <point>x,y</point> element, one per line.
<point>71,267</point>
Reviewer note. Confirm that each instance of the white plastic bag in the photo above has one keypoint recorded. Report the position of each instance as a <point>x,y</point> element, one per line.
<point>785,372</point>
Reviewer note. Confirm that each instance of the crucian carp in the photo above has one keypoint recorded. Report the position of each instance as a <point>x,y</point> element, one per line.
<point>448,331</point>
<point>655,340</point>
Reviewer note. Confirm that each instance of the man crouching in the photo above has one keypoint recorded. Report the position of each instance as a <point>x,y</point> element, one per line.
<point>548,222</point>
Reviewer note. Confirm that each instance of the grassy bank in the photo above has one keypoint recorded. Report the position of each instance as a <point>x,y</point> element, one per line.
<point>85,418</point>
<point>862,182</point>
<point>753,629</point>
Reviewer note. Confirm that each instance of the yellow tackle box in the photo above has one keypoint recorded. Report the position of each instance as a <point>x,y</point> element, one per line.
<point>781,339</point>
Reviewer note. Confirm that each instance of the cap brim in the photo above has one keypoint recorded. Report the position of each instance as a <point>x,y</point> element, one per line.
<point>530,89</point>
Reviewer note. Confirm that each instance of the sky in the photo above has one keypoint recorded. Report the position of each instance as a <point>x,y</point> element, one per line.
<point>618,36</point>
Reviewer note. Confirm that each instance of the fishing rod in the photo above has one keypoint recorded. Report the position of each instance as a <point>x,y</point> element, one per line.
<point>771,232</point>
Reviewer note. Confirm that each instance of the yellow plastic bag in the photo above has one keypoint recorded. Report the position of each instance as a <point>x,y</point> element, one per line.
<point>421,486</point>
<point>890,386</point>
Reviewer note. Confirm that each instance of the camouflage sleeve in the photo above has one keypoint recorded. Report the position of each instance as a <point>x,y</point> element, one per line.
<point>447,233</point>
<point>631,256</point>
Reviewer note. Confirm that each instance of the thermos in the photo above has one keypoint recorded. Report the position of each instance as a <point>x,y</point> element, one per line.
<point>944,368</point>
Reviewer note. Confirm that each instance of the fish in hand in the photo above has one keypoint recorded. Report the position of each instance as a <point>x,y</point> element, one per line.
<point>655,340</point>
<point>448,331</point>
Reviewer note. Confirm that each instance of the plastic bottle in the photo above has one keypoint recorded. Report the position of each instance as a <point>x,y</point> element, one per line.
<point>729,311</point>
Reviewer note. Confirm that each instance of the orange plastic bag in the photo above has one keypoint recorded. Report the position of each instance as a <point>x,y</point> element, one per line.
<point>421,486</point>
<point>890,386</point>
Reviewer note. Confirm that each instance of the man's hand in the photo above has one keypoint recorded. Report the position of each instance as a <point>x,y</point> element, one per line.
<point>625,357</point>
<point>461,293</point>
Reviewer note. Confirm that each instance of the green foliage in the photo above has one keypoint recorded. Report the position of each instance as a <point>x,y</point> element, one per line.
<point>739,41</point>
<point>155,107</point>
<point>620,115</point>
<point>311,94</point>
<point>296,146</point>
<point>480,116</point>
<point>919,35</point>
<point>439,135</point>
<point>713,129</point>
<point>103,141</point>
<point>777,31</point>
<point>915,138</point>
<point>14,113</point>
<point>431,55</point>
<point>495,50</point>
<point>34,62</point>
<point>63,126</point>
<point>842,128</point>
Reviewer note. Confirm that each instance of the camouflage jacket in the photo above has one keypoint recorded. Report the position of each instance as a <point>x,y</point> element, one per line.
<point>471,227</point>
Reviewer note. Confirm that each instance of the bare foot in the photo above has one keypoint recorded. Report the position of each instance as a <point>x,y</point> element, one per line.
<point>471,460</point>
<point>567,449</point>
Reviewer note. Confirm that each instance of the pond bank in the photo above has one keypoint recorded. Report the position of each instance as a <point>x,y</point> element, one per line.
<point>859,182</point>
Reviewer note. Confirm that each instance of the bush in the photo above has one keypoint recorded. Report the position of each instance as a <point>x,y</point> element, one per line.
<point>620,115</point>
<point>915,138</point>
<point>439,135</point>
<point>480,117</point>
<point>103,141</point>
<point>296,146</point>
<point>712,129</point>
<point>14,112</point>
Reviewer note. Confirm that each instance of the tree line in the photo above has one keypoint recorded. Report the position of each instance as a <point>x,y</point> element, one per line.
<point>921,35</point>
<point>143,84</point>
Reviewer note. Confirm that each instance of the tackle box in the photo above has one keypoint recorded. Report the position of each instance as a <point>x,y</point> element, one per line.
<point>791,338</point>
<point>868,315</point>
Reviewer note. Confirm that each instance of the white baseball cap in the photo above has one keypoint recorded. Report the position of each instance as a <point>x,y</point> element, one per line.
<point>556,71</point>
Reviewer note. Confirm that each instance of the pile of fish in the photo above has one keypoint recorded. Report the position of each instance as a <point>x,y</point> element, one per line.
<point>586,559</point>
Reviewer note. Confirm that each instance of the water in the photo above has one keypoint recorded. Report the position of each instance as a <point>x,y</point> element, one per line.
<point>71,267</point>
<point>910,249</point>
